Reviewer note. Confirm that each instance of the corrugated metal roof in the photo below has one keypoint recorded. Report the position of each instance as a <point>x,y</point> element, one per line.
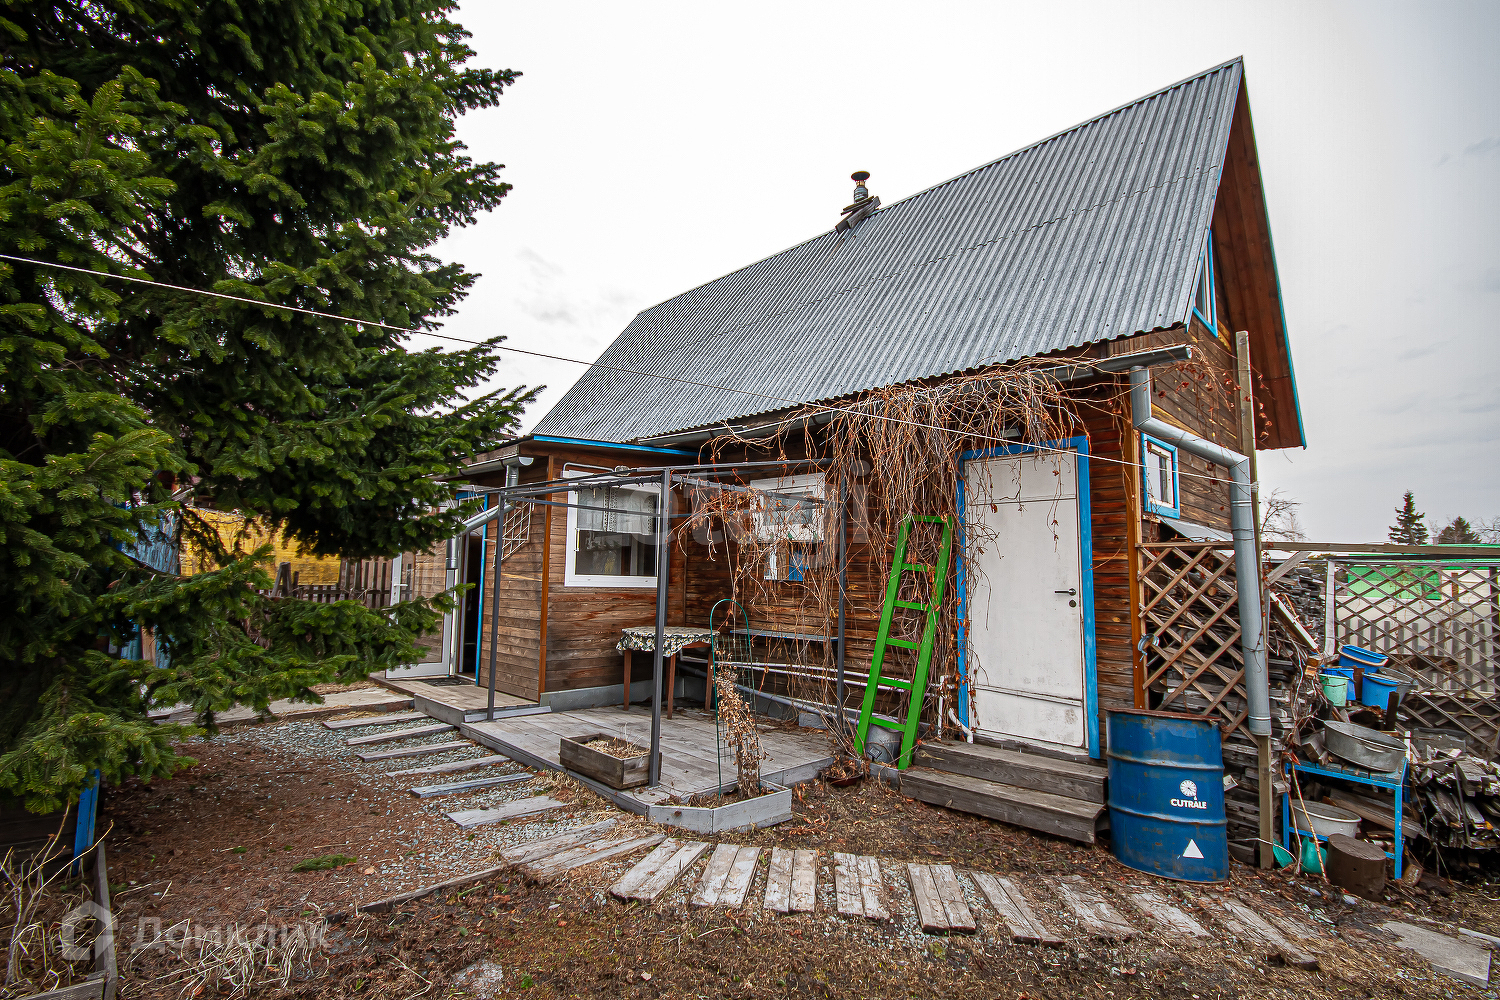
<point>1089,235</point>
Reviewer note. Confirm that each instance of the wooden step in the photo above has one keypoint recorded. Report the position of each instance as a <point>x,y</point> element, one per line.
<point>1011,767</point>
<point>1026,807</point>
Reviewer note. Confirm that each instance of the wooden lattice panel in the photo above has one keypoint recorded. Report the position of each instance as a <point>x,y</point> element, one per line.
<point>1438,623</point>
<point>1189,602</point>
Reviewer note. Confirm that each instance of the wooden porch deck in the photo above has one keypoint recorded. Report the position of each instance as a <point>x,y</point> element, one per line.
<point>688,765</point>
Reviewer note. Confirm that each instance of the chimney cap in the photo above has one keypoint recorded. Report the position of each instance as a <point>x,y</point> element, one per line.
<point>860,176</point>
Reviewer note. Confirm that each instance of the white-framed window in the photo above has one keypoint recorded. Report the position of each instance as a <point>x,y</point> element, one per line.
<point>1159,473</point>
<point>1203,295</point>
<point>791,517</point>
<point>612,536</point>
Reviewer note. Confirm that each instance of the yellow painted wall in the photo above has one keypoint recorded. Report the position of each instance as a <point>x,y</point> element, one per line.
<point>310,569</point>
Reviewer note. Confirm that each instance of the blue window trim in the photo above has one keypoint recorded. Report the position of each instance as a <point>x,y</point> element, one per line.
<point>1079,445</point>
<point>1152,506</point>
<point>1206,274</point>
<point>612,445</point>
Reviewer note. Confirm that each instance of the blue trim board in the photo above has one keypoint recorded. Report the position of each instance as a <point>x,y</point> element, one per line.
<point>484,551</point>
<point>613,446</point>
<point>88,810</point>
<point>1080,446</point>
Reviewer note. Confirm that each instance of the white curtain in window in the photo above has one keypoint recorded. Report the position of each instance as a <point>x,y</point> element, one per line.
<point>617,511</point>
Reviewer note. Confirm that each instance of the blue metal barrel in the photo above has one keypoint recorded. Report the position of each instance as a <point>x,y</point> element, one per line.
<point>1166,795</point>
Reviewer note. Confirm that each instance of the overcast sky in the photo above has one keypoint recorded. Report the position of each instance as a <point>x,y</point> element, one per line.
<point>655,147</point>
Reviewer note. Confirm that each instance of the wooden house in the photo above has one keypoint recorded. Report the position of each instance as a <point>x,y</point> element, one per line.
<point>1128,240</point>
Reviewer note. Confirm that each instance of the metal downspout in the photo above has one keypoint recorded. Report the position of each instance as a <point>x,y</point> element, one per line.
<point>1242,525</point>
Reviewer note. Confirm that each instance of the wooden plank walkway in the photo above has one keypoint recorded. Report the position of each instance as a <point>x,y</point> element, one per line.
<point>859,888</point>
<point>1098,917</point>
<point>399,734</point>
<point>937,891</point>
<point>1015,911</point>
<point>545,869</point>
<point>726,880</point>
<point>421,751</point>
<point>940,899</point>
<point>548,846</point>
<point>472,785</point>
<point>1247,924</point>
<point>792,881</point>
<point>468,819</point>
<point>452,767</point>
<point>374,720</point>
<point>1166,916</point>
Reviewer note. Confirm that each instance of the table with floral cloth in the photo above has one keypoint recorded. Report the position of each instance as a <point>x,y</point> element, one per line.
<point>675,638</point>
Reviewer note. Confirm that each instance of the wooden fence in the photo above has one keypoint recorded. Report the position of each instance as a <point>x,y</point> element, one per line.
<point>1189,613</point>
<point>1191,659</point>
<point>367,581</point>
<point>1439,622</point>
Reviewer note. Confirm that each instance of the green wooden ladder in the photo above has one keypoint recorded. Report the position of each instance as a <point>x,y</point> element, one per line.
<point>916,688</point>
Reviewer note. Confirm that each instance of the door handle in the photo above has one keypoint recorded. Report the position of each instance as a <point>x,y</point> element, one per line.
<point>1070,592</point>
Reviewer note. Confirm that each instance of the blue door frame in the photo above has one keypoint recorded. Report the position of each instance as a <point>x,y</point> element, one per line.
<point>484,543</point>
<point>1080,446</point>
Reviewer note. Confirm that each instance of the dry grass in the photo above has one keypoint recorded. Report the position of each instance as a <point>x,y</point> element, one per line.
<point>39,890</point>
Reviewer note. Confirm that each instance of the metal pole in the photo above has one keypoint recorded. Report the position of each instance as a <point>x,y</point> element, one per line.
<point>664,507</point>
<point>843,522</point>
<point>1264,763</point>
<point>495,615</point>
<point>1330,572</point>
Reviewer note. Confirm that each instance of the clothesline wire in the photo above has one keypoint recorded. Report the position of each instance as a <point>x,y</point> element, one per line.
<point>409,331</point>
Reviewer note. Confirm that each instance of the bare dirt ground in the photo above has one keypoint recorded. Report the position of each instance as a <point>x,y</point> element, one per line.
<point>217,843</point>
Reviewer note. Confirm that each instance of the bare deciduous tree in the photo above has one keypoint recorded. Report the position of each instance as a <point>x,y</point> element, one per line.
<point>1278,518</point>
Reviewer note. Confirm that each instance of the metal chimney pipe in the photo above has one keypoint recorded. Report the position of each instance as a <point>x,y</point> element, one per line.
<point>1242,525</point>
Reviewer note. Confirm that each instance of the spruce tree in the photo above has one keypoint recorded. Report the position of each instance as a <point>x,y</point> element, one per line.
<point>300,153</point>
<point>1411,526</point>
<point>1459,532</point>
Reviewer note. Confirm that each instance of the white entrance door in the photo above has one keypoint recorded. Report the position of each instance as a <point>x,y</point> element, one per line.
<point>1025,656</point>
<point>423,574</point>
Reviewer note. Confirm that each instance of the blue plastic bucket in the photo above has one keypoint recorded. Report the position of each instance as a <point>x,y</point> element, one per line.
<point>1166,795</point>
<point>1345,672</point>
<point>1358,656</point>
<point>1376,689</point>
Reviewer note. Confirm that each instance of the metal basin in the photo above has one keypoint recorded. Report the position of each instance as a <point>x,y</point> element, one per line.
<point>1366,748</point>
<point>1324,820</point>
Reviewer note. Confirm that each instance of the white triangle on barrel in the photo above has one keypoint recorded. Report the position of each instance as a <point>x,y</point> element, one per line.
<point>1192,850</point>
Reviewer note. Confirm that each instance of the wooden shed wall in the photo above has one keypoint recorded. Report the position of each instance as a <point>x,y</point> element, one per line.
<point>581,624</point>
<point>516,653</point>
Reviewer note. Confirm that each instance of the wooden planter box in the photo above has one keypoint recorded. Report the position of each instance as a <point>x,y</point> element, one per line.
<point>775,806</point>
<point>612,771</point>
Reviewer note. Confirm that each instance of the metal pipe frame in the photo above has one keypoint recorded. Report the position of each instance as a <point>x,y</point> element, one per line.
<point>663,570</point>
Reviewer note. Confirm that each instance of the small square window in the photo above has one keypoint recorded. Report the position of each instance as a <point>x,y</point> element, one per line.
<point>1159,471</point>
<point>791,516</point>
<point>612,536</point>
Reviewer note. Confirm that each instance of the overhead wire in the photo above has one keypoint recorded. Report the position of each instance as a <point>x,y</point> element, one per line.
<point>410,331</point>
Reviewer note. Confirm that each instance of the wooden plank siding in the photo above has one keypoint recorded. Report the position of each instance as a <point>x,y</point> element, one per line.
<point>581,624</point>
<point>1208,409</point>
